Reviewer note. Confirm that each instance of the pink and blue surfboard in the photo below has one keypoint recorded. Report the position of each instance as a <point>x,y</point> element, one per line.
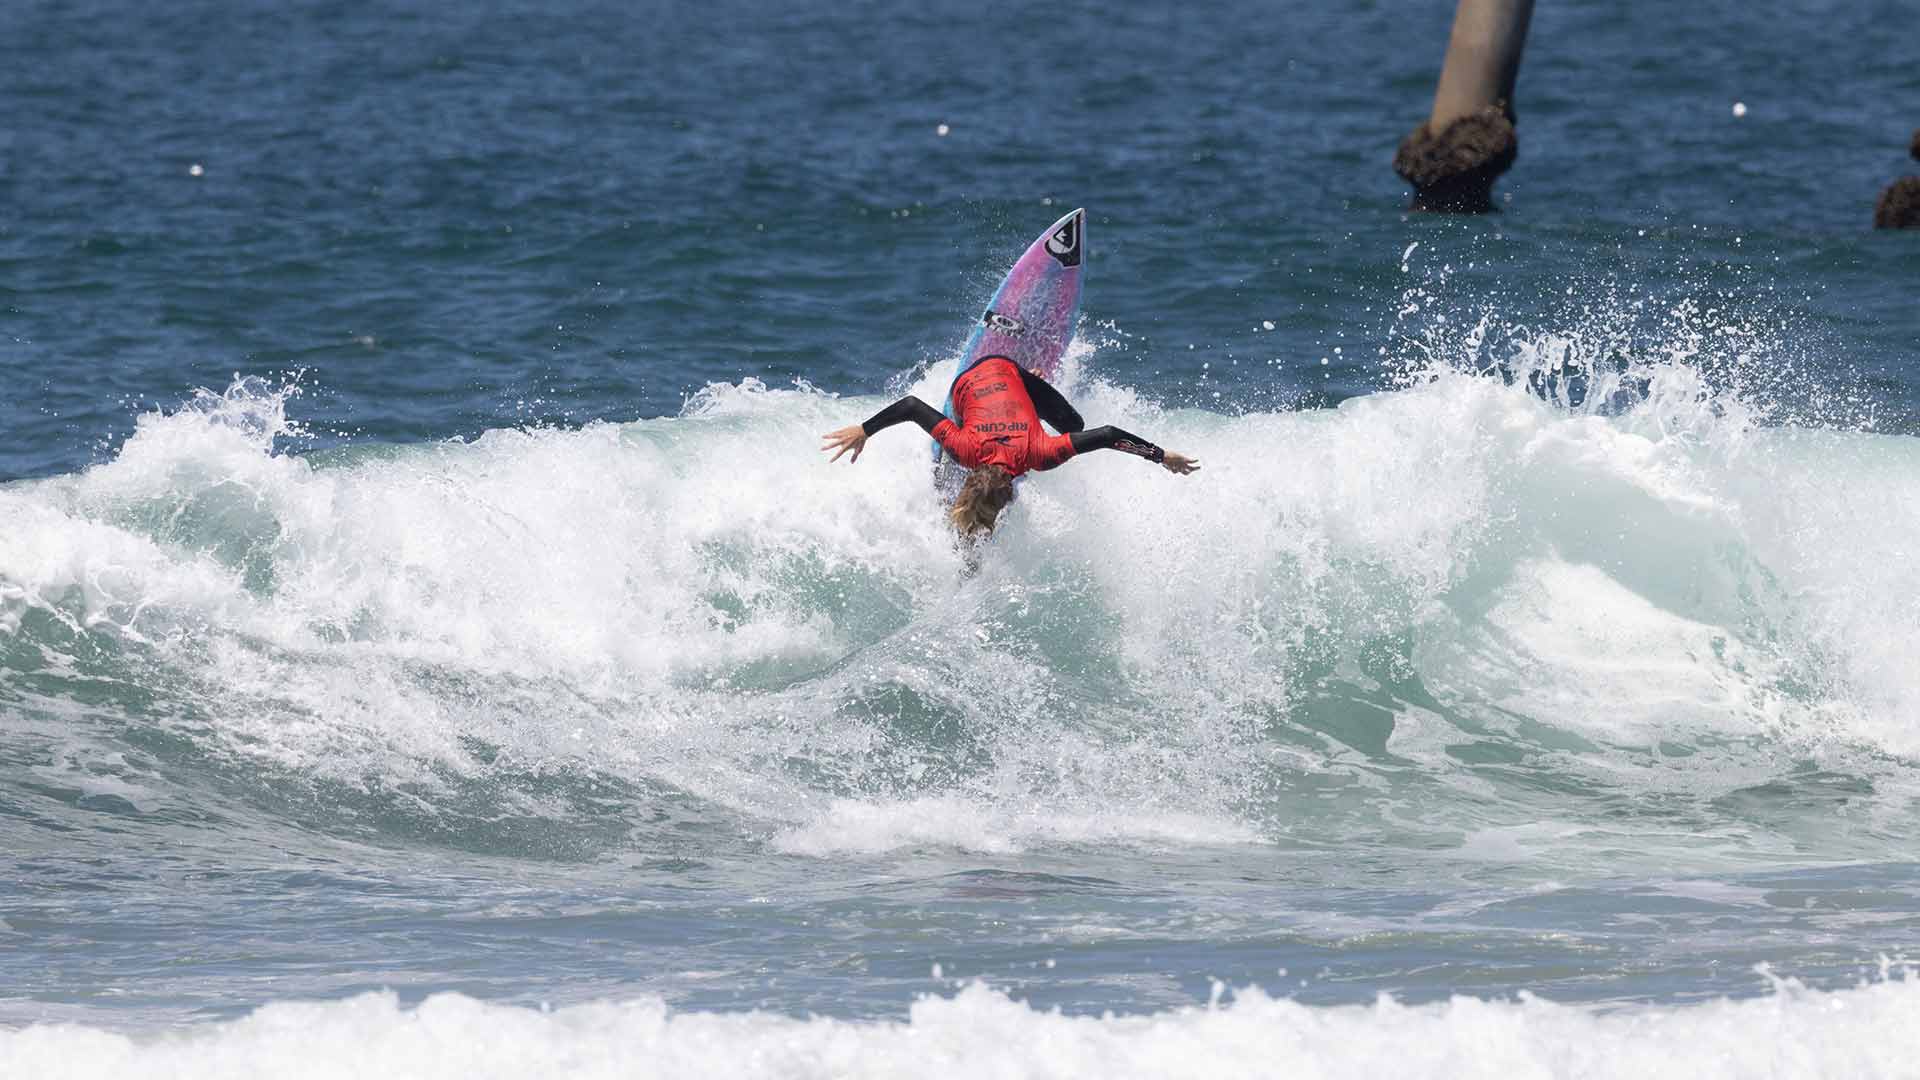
<point>1031,318</point>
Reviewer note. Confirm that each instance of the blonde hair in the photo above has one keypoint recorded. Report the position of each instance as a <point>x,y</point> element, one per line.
<point>987,491</point>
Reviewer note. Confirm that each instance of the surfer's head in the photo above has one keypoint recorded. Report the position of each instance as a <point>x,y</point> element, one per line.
<point>987,491</point>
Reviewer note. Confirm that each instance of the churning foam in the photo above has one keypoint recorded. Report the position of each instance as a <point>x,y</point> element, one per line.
<point>1870,1031</point>
<point>701,604</point>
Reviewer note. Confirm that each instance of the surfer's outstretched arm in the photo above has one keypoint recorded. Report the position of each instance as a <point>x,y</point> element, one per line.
<point>1050,405</point>
<point>855,437</point>
<point>907,408</point>
<point>1108,437</point>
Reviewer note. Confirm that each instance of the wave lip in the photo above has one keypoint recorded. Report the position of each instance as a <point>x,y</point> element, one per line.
<point>1866,1031</point>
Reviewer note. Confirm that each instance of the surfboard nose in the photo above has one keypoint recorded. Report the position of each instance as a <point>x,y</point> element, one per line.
<point>1064,242</point>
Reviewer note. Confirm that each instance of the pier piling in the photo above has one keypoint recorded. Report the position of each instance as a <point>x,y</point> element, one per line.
<point>1899,205</point>
<point>1468,140</point>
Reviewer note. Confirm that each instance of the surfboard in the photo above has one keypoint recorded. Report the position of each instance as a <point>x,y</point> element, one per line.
<point>1031,318</point>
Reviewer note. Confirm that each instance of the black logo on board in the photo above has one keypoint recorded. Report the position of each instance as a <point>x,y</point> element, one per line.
<point>1006,324</point>
<point>1064,244</point>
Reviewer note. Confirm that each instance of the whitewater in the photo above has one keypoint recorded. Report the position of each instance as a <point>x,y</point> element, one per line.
<point>1542,713</point>
<point>1868,1031</point>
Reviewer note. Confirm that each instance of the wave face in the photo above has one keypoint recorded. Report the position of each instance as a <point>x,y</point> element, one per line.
<point>1863,1032</point>
<point>1603,613</point>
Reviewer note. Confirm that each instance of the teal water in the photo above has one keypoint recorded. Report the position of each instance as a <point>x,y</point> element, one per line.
<point>417,572</point>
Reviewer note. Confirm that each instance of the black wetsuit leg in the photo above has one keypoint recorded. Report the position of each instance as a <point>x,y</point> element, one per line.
<point>907,408</point>
<point>1108,437</point>
<point>1050,405</point>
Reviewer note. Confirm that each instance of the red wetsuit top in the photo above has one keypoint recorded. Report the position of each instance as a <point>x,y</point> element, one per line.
<point>1000,408</point>
<point>997,423</point>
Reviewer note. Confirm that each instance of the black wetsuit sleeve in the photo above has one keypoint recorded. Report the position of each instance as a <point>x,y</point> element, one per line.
<point>1108,437</point>
<point>907,408</point>
<point>1050,405</point>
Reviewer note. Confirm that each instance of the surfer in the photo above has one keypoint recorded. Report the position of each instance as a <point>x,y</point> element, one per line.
<point>996,433</point>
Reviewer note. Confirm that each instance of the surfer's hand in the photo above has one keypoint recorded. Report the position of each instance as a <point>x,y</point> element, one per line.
<point>1179,464</point>
<point>853,437</point>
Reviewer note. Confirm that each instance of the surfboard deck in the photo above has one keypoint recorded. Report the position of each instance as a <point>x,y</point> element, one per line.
<point>1031,318</point>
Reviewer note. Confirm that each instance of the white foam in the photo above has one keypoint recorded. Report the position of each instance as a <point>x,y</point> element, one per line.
<point>687,600</point>
<point>1626,670</point>
<point>1869,1031</point>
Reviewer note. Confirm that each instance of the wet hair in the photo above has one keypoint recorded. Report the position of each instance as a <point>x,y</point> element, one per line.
<point>987,491</point>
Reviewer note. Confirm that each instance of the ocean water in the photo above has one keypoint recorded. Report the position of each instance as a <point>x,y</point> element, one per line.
<point>431,642</point>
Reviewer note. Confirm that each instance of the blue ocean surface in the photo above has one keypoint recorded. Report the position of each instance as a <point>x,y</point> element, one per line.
<point>432,643</point>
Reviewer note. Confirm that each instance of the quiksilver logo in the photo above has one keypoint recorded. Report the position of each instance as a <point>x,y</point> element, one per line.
<point>1064,243</point>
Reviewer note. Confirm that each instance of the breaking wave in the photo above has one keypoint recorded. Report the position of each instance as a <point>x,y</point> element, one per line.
<point>1542,577</point>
